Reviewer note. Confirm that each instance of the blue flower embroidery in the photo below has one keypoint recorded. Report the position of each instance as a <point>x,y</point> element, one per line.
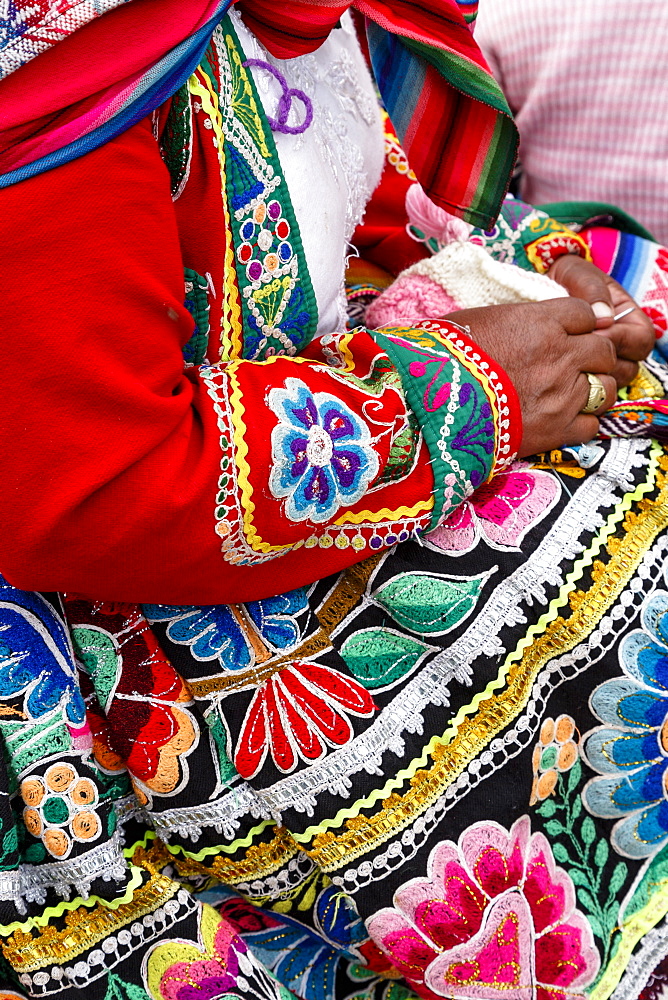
<point>630,749</point>
<point>221,631</point>
<point>322,453</point>
<point>35,657</point>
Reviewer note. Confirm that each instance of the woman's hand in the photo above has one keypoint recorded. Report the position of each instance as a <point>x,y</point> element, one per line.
<point>545,347</point>
<point>632,336</point>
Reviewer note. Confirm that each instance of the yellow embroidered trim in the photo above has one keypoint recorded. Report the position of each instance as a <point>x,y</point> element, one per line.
<point>496,711</point>
<point>231,329</point>
<point>260,861</point>
<point>84,928</point>
<point>385,514</point>
<point>52,912</point>
<point>561,239</point>
<point>645,385</point>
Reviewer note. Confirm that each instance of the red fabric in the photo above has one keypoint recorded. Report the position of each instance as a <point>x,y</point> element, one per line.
<point>70,80</point>
<point>110,451</point>
<point>301,26</point>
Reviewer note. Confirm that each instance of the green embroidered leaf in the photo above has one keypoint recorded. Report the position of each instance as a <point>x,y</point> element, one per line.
<point>97,652</point>
<point>587,900</point>
<point>378,657</point>
<point>554,827</point>
<point>588,830</point>
<point>578,877</point>
<point>618,877</point>
<point>576,809</point>
<point>428,603</point>
<point>596,926</point>
<point>118,989</point>
<point>10,843</point>
<point>219,746</point>
<point>601,853</point>
<point>547,809</point>
<point>30,742</point>
<point>560,853</point>
<point>574,776</point>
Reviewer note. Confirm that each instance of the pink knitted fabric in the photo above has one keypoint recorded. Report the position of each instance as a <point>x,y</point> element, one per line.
<point>411,297</point>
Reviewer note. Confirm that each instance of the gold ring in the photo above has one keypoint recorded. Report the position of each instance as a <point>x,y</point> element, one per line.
<point>597,394</point>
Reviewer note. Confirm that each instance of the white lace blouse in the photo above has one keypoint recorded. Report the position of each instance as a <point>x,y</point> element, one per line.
<point>331,168</point>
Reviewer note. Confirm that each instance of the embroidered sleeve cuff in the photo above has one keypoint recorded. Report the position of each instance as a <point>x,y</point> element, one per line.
<point>530,238</point>
<point>465,403</point>
<point>543,251</point>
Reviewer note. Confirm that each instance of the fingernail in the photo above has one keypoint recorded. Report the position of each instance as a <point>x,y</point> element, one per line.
<point>602,310</point>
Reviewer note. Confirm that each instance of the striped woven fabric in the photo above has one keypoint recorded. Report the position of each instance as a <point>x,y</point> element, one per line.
<point>447,109</point>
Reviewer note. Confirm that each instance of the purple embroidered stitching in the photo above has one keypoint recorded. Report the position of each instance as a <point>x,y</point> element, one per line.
<point>280,124</point>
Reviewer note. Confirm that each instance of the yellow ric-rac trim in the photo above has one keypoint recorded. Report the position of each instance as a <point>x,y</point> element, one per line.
<point>177,849</point>
<point>51,912</point>
<point>496,710</point>
<point>231,328</point>
<point>632,932</point>
<point>84,927</point>
<point>385,514</point>
<point>260,861</point>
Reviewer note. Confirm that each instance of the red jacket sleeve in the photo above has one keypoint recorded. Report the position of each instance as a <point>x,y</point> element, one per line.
<point>127,476</point>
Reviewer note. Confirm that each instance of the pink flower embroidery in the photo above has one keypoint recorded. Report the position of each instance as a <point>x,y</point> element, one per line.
<point>501,511</point>
<point>208,976</point>
<point>296,713</point>
<point>495,919</point>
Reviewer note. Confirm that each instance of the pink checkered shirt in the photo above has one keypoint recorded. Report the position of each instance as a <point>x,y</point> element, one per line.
<point>588,83</point>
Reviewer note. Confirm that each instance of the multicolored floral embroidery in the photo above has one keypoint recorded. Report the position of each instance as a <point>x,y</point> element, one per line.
<point>500,512</point>
<point>555,753</point>
<point>279,309</point>
<point>296,714</point>
<point>630,749</point>
<point>214,966</point>
<point>322,453</point>
<point>495,917</point>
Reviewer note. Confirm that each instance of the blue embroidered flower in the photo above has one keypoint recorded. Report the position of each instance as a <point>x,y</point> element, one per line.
<point>630,749</point>
<point>225,631</point>
<point>322,453</point>
<point>35,657</point>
